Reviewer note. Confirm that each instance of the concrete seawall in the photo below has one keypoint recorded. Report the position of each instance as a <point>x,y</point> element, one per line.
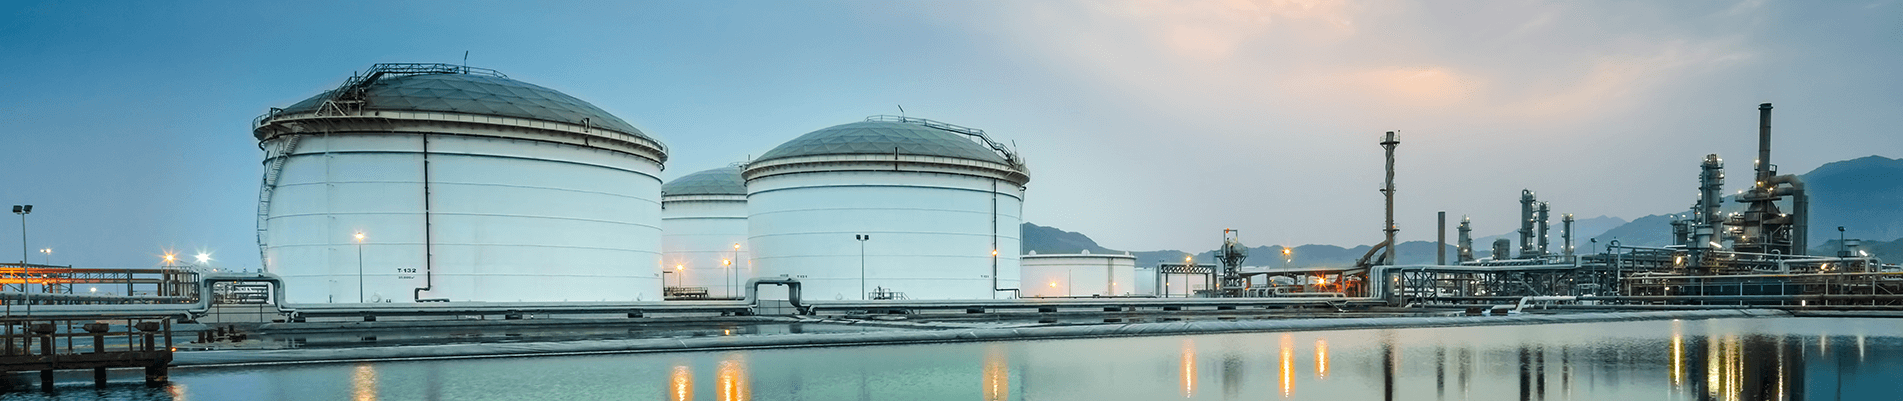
<point>686,344</point>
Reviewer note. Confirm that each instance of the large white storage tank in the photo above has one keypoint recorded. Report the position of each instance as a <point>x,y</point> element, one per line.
<point>704,230</point>
<point>1079,275</point>
<point>938,203</point>
<point>464,185</point>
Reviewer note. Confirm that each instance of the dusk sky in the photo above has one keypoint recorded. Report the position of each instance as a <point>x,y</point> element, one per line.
<point>1146,125</point>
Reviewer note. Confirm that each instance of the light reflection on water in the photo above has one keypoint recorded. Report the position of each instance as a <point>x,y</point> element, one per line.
<point>1738,359</point>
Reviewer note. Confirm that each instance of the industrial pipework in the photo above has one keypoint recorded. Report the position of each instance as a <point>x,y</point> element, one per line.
<point>1231,255</point>
<point>1762,228</point>
<point>1386,247</point>
<point>1566,234</point>
<point>1466,240</point>
<point>1528,203</point>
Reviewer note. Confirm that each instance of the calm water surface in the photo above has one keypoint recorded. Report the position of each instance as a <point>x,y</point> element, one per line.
<point>1789,358</point>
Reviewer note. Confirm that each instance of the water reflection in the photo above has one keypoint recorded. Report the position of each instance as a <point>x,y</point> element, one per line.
<point>681,383</point>
<point>364,382</point>
<point>731,375</point>
<point>1189,368</point>
<point>997,374</point>
<point>1321,358</point>
<point>1288,363</point>
<point>1733,359</point>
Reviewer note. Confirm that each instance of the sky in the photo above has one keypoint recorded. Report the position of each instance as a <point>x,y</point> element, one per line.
<point>1146,124</point>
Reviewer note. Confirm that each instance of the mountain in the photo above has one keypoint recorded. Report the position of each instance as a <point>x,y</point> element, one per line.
<point>1052,240</point>
<point>1860,195</point>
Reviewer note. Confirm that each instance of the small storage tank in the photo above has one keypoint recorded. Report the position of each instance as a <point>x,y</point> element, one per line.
<point>930,210</point>
<point>703,233</point>
<point>1078,275</point>
<point>442,182</point>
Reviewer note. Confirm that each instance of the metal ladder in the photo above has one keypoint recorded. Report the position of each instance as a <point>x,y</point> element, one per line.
<point>276,156</point>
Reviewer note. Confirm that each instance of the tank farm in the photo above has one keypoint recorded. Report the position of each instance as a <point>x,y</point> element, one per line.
<point>441,204</point>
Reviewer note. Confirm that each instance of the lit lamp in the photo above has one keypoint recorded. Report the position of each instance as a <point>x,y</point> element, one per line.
<point>360,291</point>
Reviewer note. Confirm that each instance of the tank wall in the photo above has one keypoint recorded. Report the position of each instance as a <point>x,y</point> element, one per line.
<point>1078,276</point>
<point>1146,282</point>
<point>932,234</point>
<point>511,220</point>
<point>697,237</point>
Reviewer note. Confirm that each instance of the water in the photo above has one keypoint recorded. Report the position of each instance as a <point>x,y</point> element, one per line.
<point>1785,358</point>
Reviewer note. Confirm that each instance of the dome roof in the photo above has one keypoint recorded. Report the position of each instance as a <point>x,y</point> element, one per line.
<point>476,94</point>
<point>720,181</point>
<point>882,137</point>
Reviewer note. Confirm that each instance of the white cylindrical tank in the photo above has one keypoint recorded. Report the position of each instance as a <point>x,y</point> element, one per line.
<point>938,205</point>
<point>442,182</point>
<point>704,231</point>
<point>1078,275</point>
<point>1146,280</point>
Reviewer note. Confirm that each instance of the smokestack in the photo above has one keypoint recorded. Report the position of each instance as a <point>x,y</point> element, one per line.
<point>1440,252</point>
<point>1764,143</point>
<point>1388,142</point>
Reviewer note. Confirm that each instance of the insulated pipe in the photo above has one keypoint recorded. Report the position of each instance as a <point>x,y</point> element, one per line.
<point>1800,209</point>
<point>792,290</point>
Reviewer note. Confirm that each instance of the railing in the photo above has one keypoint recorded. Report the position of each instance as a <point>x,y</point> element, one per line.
<point>1009,155</point>
<point>35,344</point>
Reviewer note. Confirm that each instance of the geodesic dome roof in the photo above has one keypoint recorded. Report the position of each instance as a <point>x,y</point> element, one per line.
<point>720,181</point>
<point>477,94</point>
<point>883,138</point>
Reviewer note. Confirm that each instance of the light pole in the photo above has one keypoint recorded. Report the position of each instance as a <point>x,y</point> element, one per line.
<point>359,267</point>
<point>49,255</point>
<point>862,263</point>
<point>1841,253</point>
<point>25,273</point>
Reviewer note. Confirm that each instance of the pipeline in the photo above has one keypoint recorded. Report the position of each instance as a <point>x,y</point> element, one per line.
<point>792,292</point>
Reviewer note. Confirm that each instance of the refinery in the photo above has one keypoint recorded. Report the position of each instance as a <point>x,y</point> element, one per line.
<point>415,204</point>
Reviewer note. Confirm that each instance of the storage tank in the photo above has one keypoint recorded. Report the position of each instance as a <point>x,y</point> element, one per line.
<point>703,230</point>
<point>1078,275</point>
<point>934,208</point>
<point>442,182</point>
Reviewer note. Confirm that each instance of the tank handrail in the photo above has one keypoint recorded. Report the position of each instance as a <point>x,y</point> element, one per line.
<point>1009,156</point>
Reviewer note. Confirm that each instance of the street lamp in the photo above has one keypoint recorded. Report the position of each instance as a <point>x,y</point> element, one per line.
<point>22,210</point>
<point>49,255</point>
<point>1286,256</point>
<point>359,267</point>
<point>862,262</point>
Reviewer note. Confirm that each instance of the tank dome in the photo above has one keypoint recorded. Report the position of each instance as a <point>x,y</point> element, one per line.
<point>881,138</point>
<point>474,93</point>
<point>720,181</point>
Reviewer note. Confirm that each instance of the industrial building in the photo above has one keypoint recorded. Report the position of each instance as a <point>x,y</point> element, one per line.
<point>704,232</point>
<point>1078,275</point>
<point>420,182</point>
<point>889,208</point>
